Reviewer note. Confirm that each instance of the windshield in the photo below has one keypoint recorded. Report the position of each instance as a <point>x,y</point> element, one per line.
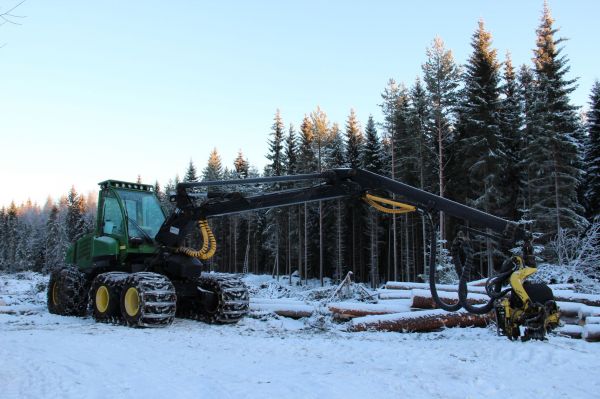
<point>144,215</point>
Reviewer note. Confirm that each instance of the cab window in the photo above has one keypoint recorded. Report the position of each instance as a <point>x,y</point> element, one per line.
<point>144,215</point>
<point>112,221</point>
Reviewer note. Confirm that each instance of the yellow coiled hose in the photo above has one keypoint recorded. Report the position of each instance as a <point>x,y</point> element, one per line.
<point>398,207</point>
<point>209,243</point>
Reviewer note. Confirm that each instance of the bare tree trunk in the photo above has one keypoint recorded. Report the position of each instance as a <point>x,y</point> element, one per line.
<point>353,242</point>
<point>289,244</point>
<point>372,251</point>
<point>407,248</point>
<point>300,272</point>
<point>339,239</point>
<point>394,232</point>
<point>395,248</point>
<point>305,243</point>
<point>321,242</point>
<point>235,242</point>
<point>441,172</point>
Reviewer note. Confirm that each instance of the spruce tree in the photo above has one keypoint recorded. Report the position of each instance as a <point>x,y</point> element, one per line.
<point>241,166</point>
<point>592,158</point>
<point>480,155</point>
<point>3,238</point>
<point>555,156</point>
<point>511,123</point>
<point>191,175</point>
<point>290,153</point>
<point>372,156</point>
<point>480,147</point>
<point>335,157</point>
<point>390,108</point>
<point>75,222</point>
<point>214,167</point>
<point>354,141</point>
<point>307,161</point>
<point>56,242</point>
<point>423,143</point>
<point>275,154</point>
<point>403,140</point>
<point>441,76</point>
<point>527,93</point>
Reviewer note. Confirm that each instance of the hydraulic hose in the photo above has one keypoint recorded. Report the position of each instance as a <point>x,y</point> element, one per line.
<point>209,243</point>
<point>461,244</point>
<point>461,249</point>
<point>432,255</point>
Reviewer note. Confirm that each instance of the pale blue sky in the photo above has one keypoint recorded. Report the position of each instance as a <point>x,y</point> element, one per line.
<point>92,90</point>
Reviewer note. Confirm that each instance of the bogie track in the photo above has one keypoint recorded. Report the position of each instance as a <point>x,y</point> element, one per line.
<point>148,300</point>
<point>67,292</point>
<point>222,299</point>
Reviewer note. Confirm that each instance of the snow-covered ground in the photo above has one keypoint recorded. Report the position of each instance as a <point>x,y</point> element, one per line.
<point>48,356</point>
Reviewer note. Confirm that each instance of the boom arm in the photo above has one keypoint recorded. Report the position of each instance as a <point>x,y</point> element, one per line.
<point>336,183</point>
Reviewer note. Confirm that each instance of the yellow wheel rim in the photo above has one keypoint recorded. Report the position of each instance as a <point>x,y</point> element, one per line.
<point>55,294</point>
<point>132,301</point>
<point>102,299</point>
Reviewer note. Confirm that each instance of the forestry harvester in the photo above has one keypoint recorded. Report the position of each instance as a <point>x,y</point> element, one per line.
<point>135,268</point>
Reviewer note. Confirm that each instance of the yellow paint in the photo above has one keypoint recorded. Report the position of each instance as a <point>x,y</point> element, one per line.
<point>516,282</point>
<point>102,299</point>
<point>132,301</point>
<point>55,293</point>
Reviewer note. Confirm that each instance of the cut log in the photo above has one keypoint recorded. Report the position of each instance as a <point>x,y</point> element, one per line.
<point>421,299</point>
<point>420,321</point>
<point>396,285</point>
<point>592,320</point>
<point>591,332</point>
<point>395,294</point>
<point>570,330</point>
<point>568,296</point>
<point>564,287</point>
<point>349,310</point>
<point>587,311</point>
<point>477,283</point>
<point>569,309</point>
<point>569,312</point>
<point>295,310</point>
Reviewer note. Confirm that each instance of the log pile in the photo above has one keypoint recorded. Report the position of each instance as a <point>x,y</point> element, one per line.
<point>409,307</point>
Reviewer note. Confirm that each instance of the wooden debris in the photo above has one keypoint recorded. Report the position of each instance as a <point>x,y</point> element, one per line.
<point>421,299</point>
<point>420,321</point>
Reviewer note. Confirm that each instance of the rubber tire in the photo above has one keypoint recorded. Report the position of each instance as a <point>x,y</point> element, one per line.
<point>112,314</point>
<point>142,282</point>
<point>70,297</point>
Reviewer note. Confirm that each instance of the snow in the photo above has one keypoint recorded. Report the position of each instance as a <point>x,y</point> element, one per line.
<point>265,356</point>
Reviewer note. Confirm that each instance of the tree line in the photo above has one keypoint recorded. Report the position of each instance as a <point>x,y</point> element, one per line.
<point>501,139</point>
